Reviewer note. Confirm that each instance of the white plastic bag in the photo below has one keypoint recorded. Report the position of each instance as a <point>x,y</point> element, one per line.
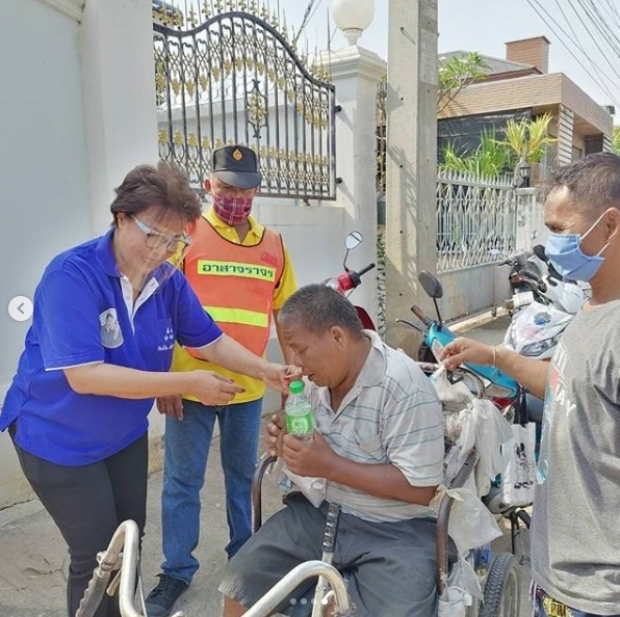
<point>453,396</point>
<point>483,427</point>
<point>471,422</point>
<point>461,587</point>
<point>453,602</point>
<point>471,524</point>
<point>314,489</point>
<point>519,476</point>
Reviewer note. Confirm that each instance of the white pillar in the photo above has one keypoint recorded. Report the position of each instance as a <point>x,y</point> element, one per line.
<point>531,229</point>
<point>356,73</point>
<point>411,162</point>
<point>118,85</point>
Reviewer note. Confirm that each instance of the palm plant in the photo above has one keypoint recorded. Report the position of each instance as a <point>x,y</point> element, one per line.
<point>490,159</point>
<point>616,140</point>
<point>528,139</point>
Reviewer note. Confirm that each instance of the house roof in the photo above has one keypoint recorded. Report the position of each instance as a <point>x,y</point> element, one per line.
<point>496,66</point>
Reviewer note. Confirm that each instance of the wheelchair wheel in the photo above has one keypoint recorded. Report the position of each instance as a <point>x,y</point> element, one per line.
<point>502,590</point>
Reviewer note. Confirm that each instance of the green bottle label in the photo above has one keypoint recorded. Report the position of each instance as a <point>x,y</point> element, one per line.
<point>299,425</point>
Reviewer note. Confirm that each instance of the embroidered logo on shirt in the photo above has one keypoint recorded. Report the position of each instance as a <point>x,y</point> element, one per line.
<point>168,340</point>
<point>111,333</point>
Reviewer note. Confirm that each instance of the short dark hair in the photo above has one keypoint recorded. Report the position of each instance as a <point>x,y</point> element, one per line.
<point>165,186</point>
<point>317,308</point>
<point>593,182</point>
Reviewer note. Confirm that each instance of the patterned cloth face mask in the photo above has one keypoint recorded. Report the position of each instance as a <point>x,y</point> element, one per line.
<point>232,210</point>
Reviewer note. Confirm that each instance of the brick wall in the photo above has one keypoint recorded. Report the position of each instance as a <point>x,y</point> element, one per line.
<point>533,91</point>
<point>534,52</point>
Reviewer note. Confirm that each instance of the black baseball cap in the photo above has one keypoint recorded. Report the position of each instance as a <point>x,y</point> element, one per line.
<point>237,166</point>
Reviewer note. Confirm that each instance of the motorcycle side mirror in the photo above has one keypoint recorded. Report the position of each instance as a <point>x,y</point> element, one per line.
<point>430,284</point>
<point>353,240</point>
<point>432,287</point>
<point>539,251</point>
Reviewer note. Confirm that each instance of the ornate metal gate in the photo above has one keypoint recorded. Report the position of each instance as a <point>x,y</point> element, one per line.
<point>235,78</point>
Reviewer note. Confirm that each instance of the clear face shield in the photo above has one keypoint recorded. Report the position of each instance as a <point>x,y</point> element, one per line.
<point>161,254</point>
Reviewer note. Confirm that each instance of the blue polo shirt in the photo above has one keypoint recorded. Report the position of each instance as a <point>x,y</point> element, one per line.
<point>84,314</point>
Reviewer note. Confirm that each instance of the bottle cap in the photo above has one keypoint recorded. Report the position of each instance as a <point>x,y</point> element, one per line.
<point>296,387</point>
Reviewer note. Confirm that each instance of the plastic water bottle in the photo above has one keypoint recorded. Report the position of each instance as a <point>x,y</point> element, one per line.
<point>299,418</point>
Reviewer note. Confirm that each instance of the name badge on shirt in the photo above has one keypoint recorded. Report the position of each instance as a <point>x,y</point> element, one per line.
<point>111,333</point>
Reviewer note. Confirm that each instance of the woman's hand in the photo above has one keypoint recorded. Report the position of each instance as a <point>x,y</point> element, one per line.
<point>466,351</point>
<point>278,376</point>
<point>212,389</point>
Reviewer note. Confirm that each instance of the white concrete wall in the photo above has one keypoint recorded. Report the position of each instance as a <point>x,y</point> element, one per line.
<point>472,290</point>
<point>44,203</point>
<point>71,127</point>
<point>313,235</point>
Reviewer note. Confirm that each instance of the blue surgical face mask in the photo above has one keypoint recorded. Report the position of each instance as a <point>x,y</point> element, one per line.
<point>564,252</point>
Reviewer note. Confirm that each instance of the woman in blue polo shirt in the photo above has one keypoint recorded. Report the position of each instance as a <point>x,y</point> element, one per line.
<point>106,316</point>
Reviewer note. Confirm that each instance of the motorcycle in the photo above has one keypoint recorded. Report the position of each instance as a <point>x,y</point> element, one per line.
<point>526,272</point>
<point>489,382</point>
<point>534,279</point>
<point>350,279</point>
<point>537,326</point>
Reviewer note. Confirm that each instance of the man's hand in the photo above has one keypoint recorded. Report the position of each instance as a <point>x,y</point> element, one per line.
<point>311,458</point>
<point>213,389</point>
<point>464,351</point>
<point>171,406</point>
<point>276,430</point>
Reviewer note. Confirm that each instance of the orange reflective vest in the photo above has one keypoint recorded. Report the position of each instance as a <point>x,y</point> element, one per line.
<point>236,283</point>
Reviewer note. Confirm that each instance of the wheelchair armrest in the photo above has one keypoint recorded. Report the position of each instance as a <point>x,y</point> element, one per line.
<point>443,516</point>
<point>257,498</point>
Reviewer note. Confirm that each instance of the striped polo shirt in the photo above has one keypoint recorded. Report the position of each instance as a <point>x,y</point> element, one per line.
<point>391,416</point>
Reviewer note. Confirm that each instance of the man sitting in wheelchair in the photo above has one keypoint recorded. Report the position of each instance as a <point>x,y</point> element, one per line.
<point>379,445</point>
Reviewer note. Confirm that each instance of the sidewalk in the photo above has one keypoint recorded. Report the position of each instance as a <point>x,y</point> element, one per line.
<point>34,558</point>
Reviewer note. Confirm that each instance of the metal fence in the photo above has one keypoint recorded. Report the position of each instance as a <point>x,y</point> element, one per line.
<point>232,76</point>
<point>476,220</point>
<point>381,137</point>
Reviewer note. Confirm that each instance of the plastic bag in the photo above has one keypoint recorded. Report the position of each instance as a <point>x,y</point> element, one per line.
<point>470,524</point>
<point>485,429</point>
<point>453,602</point>
<point>454,398</point>
<point>462,585</point>
<point>450,394</point>
<point>472,422</point>
<point>519,476</point>
<point>314,489</point>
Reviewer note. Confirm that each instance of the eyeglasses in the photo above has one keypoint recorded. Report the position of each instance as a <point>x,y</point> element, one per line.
<point>156,240</point>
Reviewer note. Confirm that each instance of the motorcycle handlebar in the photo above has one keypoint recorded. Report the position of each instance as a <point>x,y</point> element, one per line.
<point>419,313</point>
<point>366,269</point>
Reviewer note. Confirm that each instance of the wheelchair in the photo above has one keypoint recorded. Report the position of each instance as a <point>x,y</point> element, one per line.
<point>500,583</point>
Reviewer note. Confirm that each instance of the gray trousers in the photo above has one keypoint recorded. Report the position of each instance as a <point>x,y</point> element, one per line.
<point>389,568</point>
